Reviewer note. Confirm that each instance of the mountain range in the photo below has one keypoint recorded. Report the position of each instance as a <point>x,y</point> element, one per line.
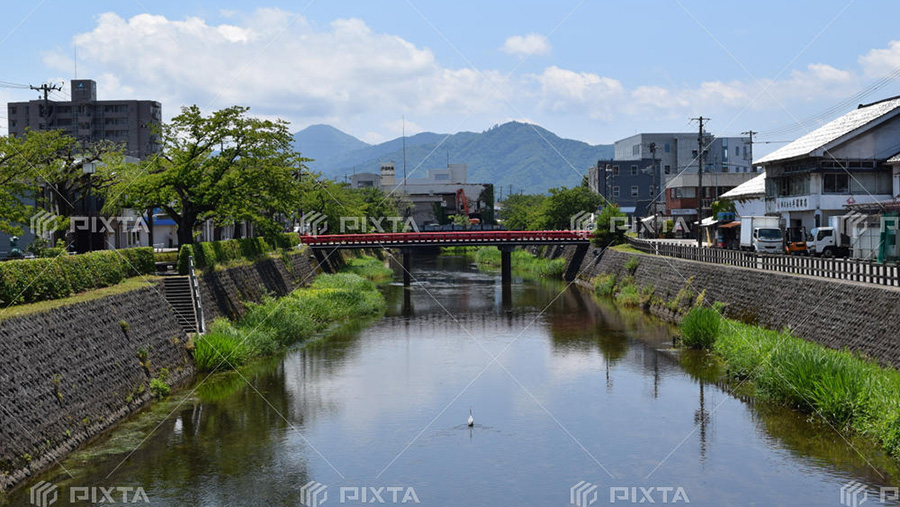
<point>521,156</point>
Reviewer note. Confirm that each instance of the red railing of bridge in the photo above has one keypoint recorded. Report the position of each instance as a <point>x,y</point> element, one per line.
<point>446,237</point>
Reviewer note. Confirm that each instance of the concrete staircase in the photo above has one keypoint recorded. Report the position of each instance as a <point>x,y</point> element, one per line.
<point>177,290</point>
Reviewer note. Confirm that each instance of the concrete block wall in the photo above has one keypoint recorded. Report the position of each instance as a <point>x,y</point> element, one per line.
<point>71,372</point>
<point>841,315</point>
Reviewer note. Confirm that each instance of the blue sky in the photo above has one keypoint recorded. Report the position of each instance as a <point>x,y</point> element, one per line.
<point>590,70</point>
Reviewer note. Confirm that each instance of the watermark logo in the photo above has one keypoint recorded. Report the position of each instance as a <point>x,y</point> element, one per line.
<point>854,494</point>
<point>651,494</point>
<point>42,223</point>
<point>583,494</point>
<point>377,224</point>
<point>582,221</point>
<point>43,494</point>
<point>314,223</point>
<point>313,494</point>
<point>108,224</point>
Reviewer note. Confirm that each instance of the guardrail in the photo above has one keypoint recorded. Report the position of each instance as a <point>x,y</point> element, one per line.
<point>854,270</point>
<point>460,237</point>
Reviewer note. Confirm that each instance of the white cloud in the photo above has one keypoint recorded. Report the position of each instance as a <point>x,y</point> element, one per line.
<point>275,62</point>
<point>531,44</point>
<point>567,91</point>
<point>879,62</point>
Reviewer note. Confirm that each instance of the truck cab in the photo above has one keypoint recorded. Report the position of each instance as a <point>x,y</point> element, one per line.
<point>827,242</point>
<point>767,240</point>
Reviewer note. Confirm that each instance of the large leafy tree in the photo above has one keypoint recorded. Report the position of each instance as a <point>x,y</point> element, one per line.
<point>564,203</point>
<point>521,212</point>
<point>226,166</point>
<point>50,163</point>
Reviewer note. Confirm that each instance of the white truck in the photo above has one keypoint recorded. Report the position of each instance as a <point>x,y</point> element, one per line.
<point>831,241</point>
<point>762,234</point>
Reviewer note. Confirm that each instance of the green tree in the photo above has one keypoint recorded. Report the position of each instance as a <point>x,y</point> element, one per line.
<point>226,166</point>
<point>521,212</point>
<point>609,226</point>
<point>48,165</point>
<point>564,203</point>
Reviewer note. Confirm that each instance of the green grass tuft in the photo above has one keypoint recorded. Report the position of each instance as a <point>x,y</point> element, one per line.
<point>700,327</point>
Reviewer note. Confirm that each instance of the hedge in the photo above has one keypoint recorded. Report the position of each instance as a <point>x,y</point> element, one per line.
<point>211,253</point>
<point>31,280</point>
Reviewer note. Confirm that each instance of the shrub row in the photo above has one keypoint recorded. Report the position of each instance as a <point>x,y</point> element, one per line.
<point>209,254</point>
<point>32,280</point>
<point>523,263</point>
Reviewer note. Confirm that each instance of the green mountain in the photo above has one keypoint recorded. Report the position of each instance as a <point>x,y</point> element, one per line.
<point>526,157</point>
<point>322,142</point>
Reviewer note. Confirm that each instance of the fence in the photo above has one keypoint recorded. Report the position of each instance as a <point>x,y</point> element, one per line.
<point>853,270</point>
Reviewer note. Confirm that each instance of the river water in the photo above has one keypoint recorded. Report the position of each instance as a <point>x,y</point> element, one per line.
<point>565,391</point>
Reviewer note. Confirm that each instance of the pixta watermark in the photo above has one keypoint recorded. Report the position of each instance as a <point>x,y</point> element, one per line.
<point>587,221</point>
<point>855,493</point>
<point>45,494</point>
<point>584,493</point>
<point>314,494</point>
<point>44,223</point>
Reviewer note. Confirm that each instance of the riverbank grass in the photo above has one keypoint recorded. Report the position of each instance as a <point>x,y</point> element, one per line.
<point>274,324</point>
<point>523,263</point>
<point>369,267</point>
<point>841,388</point>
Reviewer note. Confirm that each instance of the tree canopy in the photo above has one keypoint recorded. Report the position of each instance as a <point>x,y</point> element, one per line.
<point>225,166</point>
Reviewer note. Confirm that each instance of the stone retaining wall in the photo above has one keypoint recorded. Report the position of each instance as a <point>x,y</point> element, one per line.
<point>69,373</point>
<point>841,315</point>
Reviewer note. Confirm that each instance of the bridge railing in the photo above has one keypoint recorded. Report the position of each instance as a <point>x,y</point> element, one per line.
<point>854,270</point>
<point>426,238</point>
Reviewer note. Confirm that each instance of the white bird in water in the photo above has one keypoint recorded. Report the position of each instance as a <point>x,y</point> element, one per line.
<point>471,419</point>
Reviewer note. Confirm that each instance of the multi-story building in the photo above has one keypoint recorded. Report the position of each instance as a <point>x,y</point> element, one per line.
<point>842,165</point>
<point>667,164</point>
<point>436,196</point>
<point>129,122</point>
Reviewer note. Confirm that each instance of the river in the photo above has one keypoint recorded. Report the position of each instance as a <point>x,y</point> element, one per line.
<point>565,392</point>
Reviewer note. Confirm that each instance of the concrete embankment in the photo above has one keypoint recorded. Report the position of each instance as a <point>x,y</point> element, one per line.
<point>70,373</point>
<point>840,315</point>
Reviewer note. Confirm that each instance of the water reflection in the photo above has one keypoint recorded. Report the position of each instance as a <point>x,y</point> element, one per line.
<point>562,387</point>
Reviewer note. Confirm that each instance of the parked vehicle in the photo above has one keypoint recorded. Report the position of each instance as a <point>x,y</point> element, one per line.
<point>795,241</point>
<point>831,241</point>
<point>761,234</point>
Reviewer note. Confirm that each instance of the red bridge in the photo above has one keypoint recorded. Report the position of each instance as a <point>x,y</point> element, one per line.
<point>454,238</point>
<point>409,241</point>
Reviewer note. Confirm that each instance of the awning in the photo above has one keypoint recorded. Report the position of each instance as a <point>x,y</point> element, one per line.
<point>708,222</point>
<point>628,209</point>
<point>730,225</point>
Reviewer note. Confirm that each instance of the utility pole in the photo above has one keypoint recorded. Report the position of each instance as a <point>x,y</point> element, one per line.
<point>751,134</point>
<point>45,89</point>
<point>699,178</point>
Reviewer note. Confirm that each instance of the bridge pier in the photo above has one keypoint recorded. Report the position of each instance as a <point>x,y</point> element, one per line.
<point>406,253</point>
<point>506,264</point>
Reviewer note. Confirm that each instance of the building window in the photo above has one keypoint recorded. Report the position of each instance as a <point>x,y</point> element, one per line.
<point>651,191</point>
<point>836,183</point>
<point>668,169</point>
<point>615,191</point>
<point>634,170</point>
<point>737,151</point>
<point>636,149</point>
<point>684,193</point>
<point>666,148</point>
<point>694,153</point>
<point>634,190</point>
<point>12,110</point>
<point>615,170</point>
